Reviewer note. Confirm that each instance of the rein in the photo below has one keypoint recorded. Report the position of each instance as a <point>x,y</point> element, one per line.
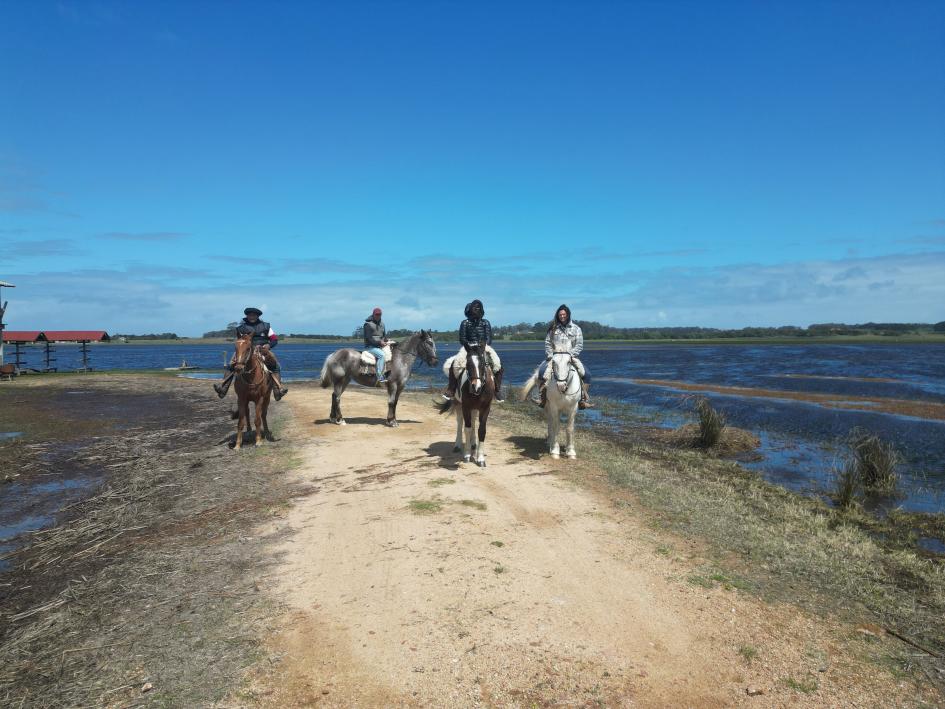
<point>554,372</point>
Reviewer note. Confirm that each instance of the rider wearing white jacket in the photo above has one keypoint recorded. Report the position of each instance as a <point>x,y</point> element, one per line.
<point>564,335</point>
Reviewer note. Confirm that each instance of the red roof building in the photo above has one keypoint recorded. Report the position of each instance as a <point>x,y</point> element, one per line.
<point>76,335</point>
<point>23,336</point>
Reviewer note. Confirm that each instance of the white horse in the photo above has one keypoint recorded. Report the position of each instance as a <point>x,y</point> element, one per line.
<point>564,393</point>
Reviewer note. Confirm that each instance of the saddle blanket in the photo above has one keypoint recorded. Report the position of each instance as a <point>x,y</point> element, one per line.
<point>458,361</point>
<point>369,361</point>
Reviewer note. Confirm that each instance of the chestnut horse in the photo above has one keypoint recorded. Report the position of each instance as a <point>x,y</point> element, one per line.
<point>475,393</point>
<point>252,384</point>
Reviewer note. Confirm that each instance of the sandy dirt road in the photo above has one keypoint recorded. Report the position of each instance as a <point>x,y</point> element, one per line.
<point>517,588</point>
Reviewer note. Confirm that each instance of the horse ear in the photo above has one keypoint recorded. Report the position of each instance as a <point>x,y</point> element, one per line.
<point>423,332</point>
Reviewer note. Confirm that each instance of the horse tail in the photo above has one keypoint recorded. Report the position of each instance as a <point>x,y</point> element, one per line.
<point>444,407</point>
<point>326,378</point>
<point>529,385</point>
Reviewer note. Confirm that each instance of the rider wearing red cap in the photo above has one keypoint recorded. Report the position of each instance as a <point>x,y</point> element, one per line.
<point>265,338</point>
<point>375,339</point>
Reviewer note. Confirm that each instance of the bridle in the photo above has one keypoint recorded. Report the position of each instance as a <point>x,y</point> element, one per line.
<point>562,382</point>
<point>247,363</point>
<point>481,364</point>
<point>416,352</point>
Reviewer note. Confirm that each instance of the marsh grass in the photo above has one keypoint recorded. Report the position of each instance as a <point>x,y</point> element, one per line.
<point>711,423</point>
<point>875,461</point>
<point>157,564</point>
<point>869,469</point>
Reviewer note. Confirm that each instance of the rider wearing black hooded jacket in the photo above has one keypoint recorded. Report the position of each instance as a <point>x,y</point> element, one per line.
<point>473,330</point>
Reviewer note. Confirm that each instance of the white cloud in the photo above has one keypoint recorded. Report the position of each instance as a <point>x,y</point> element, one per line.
<point>138,298</point>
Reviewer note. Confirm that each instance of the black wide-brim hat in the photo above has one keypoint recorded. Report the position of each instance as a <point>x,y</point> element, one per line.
<point>257,311</point>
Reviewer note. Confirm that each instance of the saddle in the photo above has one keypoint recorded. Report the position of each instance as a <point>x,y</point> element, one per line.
<point>369,361</point>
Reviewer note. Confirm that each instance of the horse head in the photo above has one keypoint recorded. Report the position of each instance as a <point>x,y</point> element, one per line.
<point>561,369</point>
<point>244,350</point>
<point>426,348</point>
<point>475,368</point>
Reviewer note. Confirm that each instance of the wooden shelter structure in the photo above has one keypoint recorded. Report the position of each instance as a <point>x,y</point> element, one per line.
<point>49,338</point>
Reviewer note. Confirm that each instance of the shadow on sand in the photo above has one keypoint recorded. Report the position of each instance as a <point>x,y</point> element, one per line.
<point>448,460</point>
<point>249,437</point>
<point>370,421</point>
<point>528,446</point>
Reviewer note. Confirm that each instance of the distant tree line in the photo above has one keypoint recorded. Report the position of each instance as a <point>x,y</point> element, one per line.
<point>594,330</point>
<point>150,336</point>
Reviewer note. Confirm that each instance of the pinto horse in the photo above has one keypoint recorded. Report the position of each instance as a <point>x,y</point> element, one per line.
<point>252,384</point>
<point>475,393</point>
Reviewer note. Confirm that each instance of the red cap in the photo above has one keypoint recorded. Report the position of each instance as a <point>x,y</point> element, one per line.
<point>377,311</point>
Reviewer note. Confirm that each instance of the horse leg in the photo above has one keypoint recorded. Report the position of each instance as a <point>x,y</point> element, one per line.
<point>554,422</point>
<point>467,422</point>
<point>458,446</point>
<point>481,453</point>
<point>336,399</point>
<point>257,410</point>
<point>265,421</point>
<point>393,395</point>
<point>571,453</point>
<point>243,408</point>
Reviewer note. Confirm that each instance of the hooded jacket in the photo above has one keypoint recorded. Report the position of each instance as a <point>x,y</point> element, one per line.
<point>473,331</point>
<point>374,333</point>
<point>565,338</point>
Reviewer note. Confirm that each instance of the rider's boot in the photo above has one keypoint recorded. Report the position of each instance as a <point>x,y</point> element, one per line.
<point>585,402</point>
<point>497,376</point>
<point>451,389</point>
<point>223,387</point>
<point>278,391</point>
<point>544,395</point>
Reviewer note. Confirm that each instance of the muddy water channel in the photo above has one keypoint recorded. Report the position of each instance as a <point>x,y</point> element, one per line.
<point>69,437</point>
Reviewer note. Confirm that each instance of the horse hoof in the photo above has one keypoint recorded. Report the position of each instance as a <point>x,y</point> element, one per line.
<point>482,463</point>
<point>572,456</point>
<point>466,458</point>
<point>556,455</point>
<point>342,422</point>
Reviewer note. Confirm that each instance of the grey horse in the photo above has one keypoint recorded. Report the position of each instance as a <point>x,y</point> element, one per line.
<point>344,365</point>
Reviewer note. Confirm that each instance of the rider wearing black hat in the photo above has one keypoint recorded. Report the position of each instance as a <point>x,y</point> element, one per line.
<point>265,338</point>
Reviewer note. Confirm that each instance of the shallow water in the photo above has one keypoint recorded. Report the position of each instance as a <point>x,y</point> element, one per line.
<point>801,440</point>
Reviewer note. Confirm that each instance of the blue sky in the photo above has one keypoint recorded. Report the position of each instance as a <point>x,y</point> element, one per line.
<point>164,164</point>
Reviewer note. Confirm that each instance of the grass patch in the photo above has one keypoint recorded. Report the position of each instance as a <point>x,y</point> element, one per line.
<point>748,652</point>
<point>701,581</point>
<point>805,686</point>
<point>499,569</point>
<point>440,482</point>
<point>475,504</point>
<point>425,507</point>
<point>497,543</point>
